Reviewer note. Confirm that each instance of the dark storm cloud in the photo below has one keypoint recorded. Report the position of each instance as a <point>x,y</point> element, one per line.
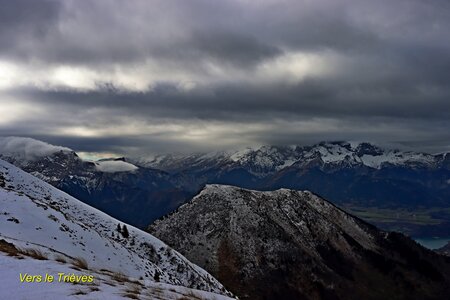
<point>117,32</point>
<point>240,72</point>
<point>25,22</point>
<point>232,47</point>
<point>28,15</point>
<point>313,97</point>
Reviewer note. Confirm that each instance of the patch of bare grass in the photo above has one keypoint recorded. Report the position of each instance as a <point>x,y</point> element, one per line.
<point>94,289</point>
<point>130,295</point>
<point>81,263</point>
<point>80,292</point>
<point>60,259</point>
<point>34,253</point>
<point>119,277</point>
<point>135,289</point>
<point>9,249</point>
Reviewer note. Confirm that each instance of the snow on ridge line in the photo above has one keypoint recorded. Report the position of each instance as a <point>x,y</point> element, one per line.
<point>27,148</point>
<point>114,166</point>
<point>227,190</point>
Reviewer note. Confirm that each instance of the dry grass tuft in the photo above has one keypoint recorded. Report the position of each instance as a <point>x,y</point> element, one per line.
<point>34,253</point>
<point>12,250</point>
<point>134,290</point>
<point>80,292</point>
<point>9,249</point>
<point>80,263</point>
<point>60,259</point>
<point>131,296</point>
<point>94,289</point>
<point>119,277</point>
<point>105,271</point>
<point>190,296</point>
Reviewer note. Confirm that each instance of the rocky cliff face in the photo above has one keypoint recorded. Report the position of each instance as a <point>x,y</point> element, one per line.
<point>289,244</point>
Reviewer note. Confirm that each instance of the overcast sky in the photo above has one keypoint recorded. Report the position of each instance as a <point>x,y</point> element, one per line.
<point>142,77</point>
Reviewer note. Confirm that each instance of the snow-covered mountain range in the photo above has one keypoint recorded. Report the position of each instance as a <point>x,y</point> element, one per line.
<point>39,221</point>
<point>287,244</point>
<point>349,174</point>
<point>269,159</point>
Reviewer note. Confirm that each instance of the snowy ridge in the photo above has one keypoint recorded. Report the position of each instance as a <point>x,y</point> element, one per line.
<point>35,214</point>
<point>266,160</point>
<point>366,154</point>
<point>259,161</point>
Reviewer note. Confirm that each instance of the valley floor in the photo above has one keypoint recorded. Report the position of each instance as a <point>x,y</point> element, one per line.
<point>428,223</point>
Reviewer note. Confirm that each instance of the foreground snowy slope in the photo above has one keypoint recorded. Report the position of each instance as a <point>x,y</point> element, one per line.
<point>35,215</point>
<point>106,285</point>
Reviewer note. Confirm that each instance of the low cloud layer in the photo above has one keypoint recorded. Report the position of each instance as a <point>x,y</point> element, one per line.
<point>115,166</point>
<point>140,77</point>
<point>27,149</point>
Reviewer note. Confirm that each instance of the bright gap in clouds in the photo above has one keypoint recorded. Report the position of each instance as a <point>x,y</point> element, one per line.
<point>290,67</point>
